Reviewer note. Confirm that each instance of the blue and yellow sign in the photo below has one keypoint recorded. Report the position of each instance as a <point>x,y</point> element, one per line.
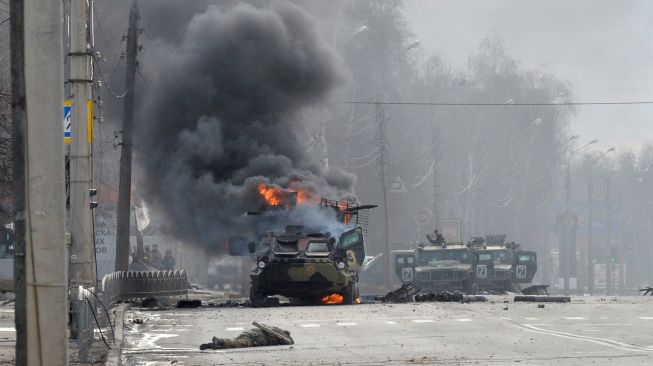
<point>67,130</point>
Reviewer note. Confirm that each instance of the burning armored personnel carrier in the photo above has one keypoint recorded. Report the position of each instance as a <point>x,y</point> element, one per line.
<point>311,262</point>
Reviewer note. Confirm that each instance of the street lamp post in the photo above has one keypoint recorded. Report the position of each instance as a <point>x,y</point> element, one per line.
<point>568,254</point>
<point>590,245</point>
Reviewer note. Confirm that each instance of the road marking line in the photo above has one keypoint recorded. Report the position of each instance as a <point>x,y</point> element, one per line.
<point>602,325</point>
<point>463,320</point>
<point>591,330</point>
<point>390,322</point>
<point>601,341</point>
<point>309,325</point>
<point>532,318</point>
<point>574,318</point>
<point>646,317</point>
<point>347,324</point>
<point>506,318</point>
<point>422,321</point>
<point>7,329</point>
<point>234,329</point>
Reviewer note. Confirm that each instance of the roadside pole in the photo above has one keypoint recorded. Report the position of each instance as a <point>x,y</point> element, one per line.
<point>82,251</point>
<point>124,189</point>
<point>41,270</point>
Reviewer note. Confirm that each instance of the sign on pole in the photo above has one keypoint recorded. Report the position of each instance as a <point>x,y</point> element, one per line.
<point>397,185</point>
<point>67,130</point>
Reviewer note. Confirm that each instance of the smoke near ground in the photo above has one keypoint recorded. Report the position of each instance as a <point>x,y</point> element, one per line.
<point>224,115</point>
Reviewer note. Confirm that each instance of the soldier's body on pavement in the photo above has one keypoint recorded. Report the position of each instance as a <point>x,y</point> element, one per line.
<point>261,336</point>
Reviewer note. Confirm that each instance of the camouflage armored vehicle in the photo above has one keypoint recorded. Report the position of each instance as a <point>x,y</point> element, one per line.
<point>502,266</point>
<point>307,265</point>
<point>437,267</point>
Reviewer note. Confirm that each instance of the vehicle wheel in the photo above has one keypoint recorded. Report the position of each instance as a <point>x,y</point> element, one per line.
<point>256,298</point>
<point>349,295</point>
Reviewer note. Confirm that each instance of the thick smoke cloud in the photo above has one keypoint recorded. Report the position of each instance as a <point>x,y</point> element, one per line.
<point>223,116</point>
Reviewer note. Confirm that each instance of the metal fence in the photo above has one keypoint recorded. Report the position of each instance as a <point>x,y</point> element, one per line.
<point>123,286</point>
<point>90,308</point>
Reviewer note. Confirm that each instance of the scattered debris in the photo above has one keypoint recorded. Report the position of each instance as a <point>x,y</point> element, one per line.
<point>161,303</point>
<point>506,308</point>
<point>402,294</point>
<point>536,290</point>
<point>138,321</point>
<point>419,360</point>
<point>647,290</point>
<point>446,296</point>
<point>191,304</point>
<point>540,298</point>
<point>540,306</point>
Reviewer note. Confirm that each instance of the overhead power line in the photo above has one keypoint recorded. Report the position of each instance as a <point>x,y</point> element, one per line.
<point>498,104</point>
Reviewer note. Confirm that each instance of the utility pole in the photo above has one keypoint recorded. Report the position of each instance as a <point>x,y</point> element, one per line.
<point>381,161</point>
<point>435,154</point>
<point>590,245</point>
<point>41,267</point>
<point>124,190</point>
<point>82,251</point>
<point>608,242</point>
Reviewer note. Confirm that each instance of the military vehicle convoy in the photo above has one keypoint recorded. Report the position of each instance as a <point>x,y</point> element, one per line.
<point>488,264</point>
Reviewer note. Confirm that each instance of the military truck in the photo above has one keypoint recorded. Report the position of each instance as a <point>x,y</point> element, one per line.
<point>502,266</point>
<point>306,265</point>
<point>445,267</point>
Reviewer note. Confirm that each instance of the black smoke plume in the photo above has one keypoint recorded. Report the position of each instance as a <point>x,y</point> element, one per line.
<point>224,115</point>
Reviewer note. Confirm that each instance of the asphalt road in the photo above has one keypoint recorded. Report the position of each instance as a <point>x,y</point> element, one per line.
<point>585,332</point>
<point>7,335</point>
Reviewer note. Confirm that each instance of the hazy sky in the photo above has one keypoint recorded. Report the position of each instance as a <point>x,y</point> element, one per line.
<point>603,48</point>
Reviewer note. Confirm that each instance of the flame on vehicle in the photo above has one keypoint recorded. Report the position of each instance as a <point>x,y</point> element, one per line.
<point>277,196</point>
<point>358,300</point>
<point>273,196</point>
<point>333,299</point>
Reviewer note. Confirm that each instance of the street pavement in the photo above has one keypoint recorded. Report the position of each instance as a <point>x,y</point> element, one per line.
<point>7,335</point>
<point>588,331</point>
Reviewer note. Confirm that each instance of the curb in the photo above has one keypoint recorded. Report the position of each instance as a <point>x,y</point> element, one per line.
<point>113,357</point>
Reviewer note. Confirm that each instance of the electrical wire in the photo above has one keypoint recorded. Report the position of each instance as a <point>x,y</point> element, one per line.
<point>499,104</point>
<point>90,306</point>
<point>113,332</point>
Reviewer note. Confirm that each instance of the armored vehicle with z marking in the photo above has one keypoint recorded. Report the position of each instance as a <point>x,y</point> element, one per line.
<point>437,267</point>
<point>488,264</point>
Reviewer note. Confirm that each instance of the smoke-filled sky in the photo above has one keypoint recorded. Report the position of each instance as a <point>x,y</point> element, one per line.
<point>603,48</point>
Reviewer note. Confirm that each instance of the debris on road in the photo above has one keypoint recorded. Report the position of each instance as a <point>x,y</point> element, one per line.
<point>540,306</point>
<point>402,294</point>
<point>261,336</point>
<point>189,304</point>
<point>160,303</point>
<point>446,296</point>
<point>647,290</point>
<point>536,290</point>
<point>419,360</point>
<point>541,298</point>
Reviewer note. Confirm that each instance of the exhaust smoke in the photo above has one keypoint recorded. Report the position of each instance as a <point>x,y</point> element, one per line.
<point>223,118</point>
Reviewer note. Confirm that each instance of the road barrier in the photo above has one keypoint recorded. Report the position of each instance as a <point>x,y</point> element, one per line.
<point>132,285</point>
